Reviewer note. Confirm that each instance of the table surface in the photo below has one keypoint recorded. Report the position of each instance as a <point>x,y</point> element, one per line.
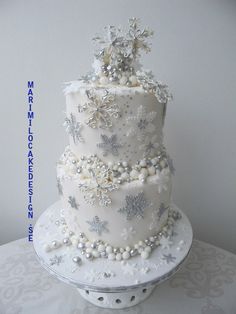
<point>206,284</point>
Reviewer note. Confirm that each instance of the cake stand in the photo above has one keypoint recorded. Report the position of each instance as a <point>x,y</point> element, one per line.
<point>106,283</point>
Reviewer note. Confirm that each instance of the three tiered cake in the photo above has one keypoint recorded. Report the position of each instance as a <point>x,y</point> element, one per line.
<point>114,178</point>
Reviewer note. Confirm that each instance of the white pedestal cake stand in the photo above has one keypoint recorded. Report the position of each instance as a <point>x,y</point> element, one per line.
<point>106,283</point>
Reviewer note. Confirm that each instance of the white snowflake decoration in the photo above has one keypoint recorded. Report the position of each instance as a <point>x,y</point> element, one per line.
<point>149,146</point>
<point>97,225</point>
<point>97,183</point>
<point>73,128</point>
<point>142,123</point>
<point>109,145</point>
<point>165,243</point>
<point>101,109</point>
<point>135,206</point>
<point>162,180</point>
<point>128,233</point>
<point>155,220</point>
<point>129,268</point>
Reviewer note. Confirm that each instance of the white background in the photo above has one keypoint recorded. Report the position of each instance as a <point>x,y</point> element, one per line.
<point>194,50</point>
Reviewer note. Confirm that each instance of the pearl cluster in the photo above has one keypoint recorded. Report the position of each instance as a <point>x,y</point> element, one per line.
<point>96,249</point>
<point>120,172</point>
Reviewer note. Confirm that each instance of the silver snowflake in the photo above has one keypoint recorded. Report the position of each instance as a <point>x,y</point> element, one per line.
<point>162,209</point>
<point>73,128</point>
<point>56,260</point>
<point>97,184</point>
<point>59,186</point>
<point>171,165</point>
<point>149,146</point>
<point>97,225</point>
<point>101,109</point>
<point>135,206</point>
<point>169,258</point>
<point>141,123</point>
<point>147,81</point>
<point>109,145</point>
<point>72,202</point>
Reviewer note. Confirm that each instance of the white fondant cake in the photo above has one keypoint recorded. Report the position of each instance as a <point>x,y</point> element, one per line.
<point>114,178</point>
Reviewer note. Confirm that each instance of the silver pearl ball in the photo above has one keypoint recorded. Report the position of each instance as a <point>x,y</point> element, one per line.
<point>81,234</point>
<point>66,241</point>
<point>81,245</point>
<point>93,245</point>
<point>89,256</point>
<point>77,259</point>
<point>83,252</point>
<point>133,252</point>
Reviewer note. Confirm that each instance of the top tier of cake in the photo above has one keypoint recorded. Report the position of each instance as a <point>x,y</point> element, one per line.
<point>117,123</point>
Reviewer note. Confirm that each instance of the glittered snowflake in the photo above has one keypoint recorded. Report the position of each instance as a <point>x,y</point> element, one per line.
<point>149,146</point>
<point>141,123</point>
<point>101,109</point>
<point>162,180</point>
<point>147,81</point>
<point>128,233</point>
<point>59,186</point>
<point>73,128</point>
<point>109,145</point>
<point>168,258</point>
<point>97,225</point>
<point>135,206</point>
<point>171,165</point>
<point>56,260</point>
<point>72,202</point>
<point>97,183</point>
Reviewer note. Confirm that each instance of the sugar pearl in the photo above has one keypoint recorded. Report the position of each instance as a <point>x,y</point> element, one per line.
<point>145,254</point>
<point>151,171</point>
<point>123,80</point>
<point>101,248</point>
<point>109,249</point>
<point>127,248</point>
<point>134,174</point>
<point>144,172</point>
<point>95,253</point>
<point>148,249</point>
<point>124,164</point>
<point>103,80</point>
<point>121,169</point>
<point>118,257</point>
<point>133,80</point>
<point>126,255</point>
<point>88,250</point>
<point>111,256</point>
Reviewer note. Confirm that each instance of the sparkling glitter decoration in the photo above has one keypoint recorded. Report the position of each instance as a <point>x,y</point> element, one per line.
<point>73,128</point>
<point>165,242</point>
<point>59,186</point>
<point>168,258</point>
<point>135,206</point>
<point>128,233</point>
<point>109,145</point>
<point>97,183</point>
<point>56,260</point>
<point>72,202</point>
<point>142,123</point>
<point>97,225</point>
<point>149,146</point>
<point>101,109</point>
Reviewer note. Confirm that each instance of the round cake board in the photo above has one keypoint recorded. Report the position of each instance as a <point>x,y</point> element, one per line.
<point>106,283</point>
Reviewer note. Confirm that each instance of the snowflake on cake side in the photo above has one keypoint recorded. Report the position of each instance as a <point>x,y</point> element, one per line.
<point>149,146</point>
<point>97,183</point>
<point>97,225</point>
<point>101,109</point>
<point>135,206</point>
<point>141,123</point>
<point>109,145</point>
<point>73,128</point>
<point>128,233</point>
<point>162,179</point>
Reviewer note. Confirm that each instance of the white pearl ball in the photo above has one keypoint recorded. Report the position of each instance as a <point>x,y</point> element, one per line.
<point>126,255</point>
<point>127,248</point>
<point>88,250</point>
<point>134,174</point>
<point>124,163</point>
<point>111,256</point>
<point>142,177</point>
<point>103,80</point>
<point>154,161</point>
<point>136,246</point>
<point>47,248</point>
<point>148,249</point>
<point>118,256</point>
<point>88,244</point>
<point>140,243</point>
<point>121,169</point>
<point>122,250</point>
<point>143,163</point>
<point>151,171</point>
<point>123,80</point>
<point>101,248</point>
<point>124,176</point>
<point>109,249</point>
<point>144,254</point>
<point>110,164</point>
<point>95,253</point>
<point>133,80</point>
<point>144,172</point>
